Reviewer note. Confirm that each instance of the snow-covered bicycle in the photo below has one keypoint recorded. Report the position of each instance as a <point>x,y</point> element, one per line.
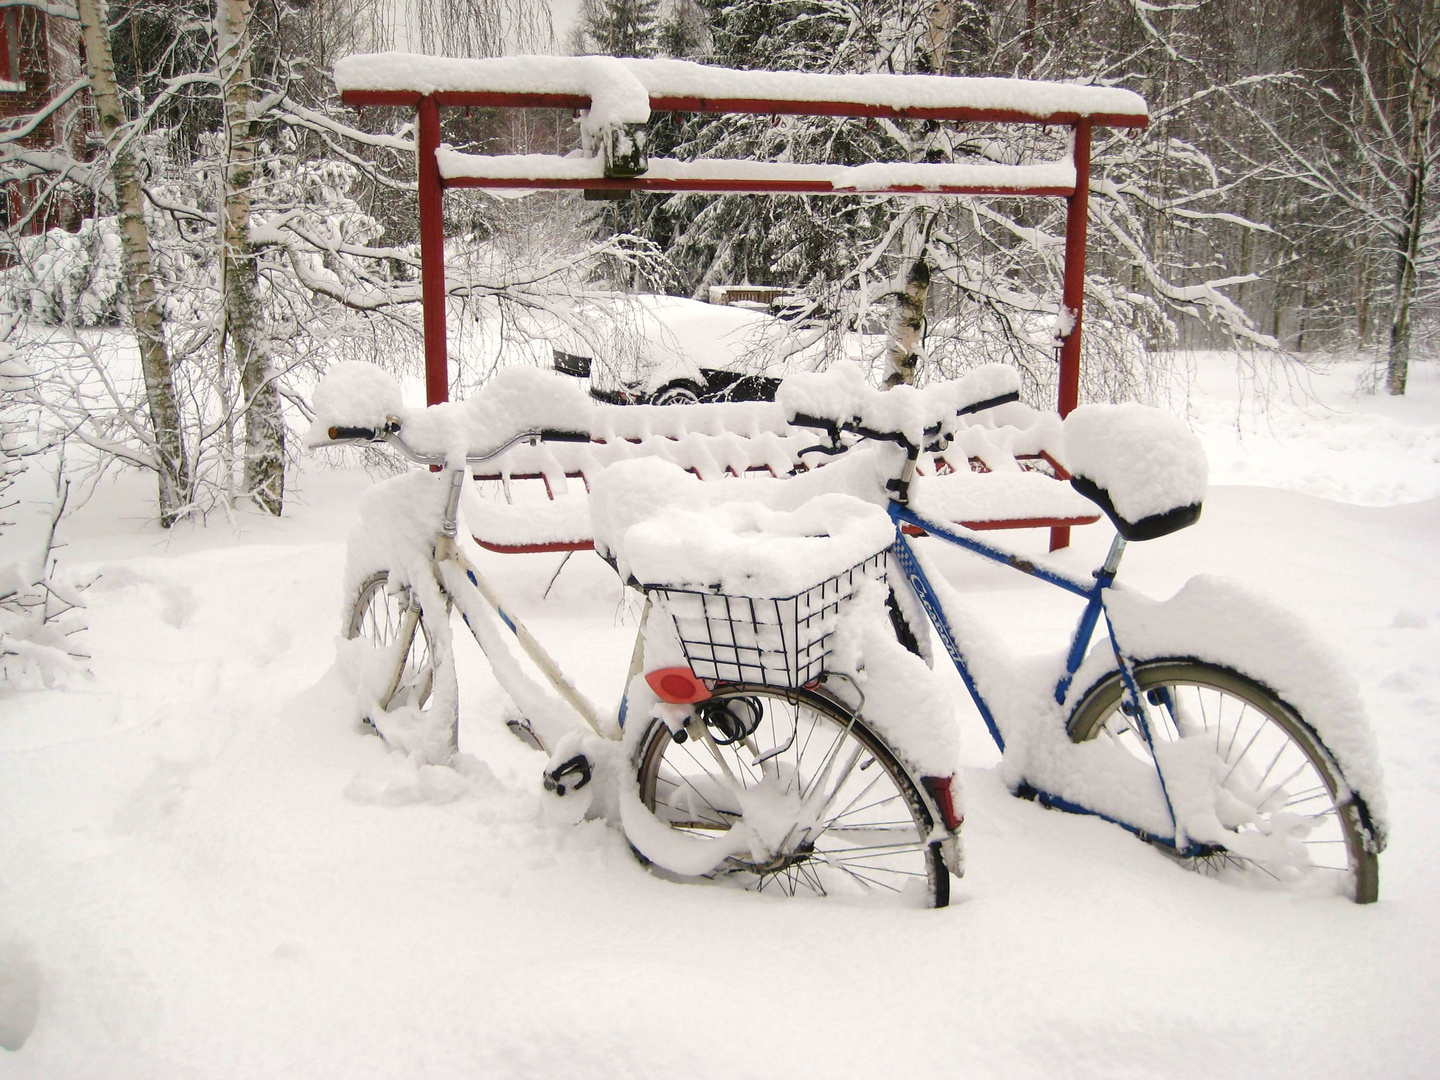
<point>785,727</point>
<point>1213,725</point>
<point>770,772</point>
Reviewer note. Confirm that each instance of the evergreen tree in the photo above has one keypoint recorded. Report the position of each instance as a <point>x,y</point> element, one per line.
<point>618,28</point>
<point>787,239</point>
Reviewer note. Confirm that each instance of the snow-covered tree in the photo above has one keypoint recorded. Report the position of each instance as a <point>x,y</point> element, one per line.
<point>1370,167</point>
<point>168,456</point>
<point>617,28</point>
<point>40,615</point>
<point>282,237</point>
<point>995,264</point>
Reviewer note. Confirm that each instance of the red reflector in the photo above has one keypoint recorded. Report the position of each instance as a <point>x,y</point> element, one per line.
<point>677,686</point>
<point>939,788</point>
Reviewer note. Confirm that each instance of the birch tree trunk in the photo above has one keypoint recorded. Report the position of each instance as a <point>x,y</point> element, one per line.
<point>906,322</point>
<point>1421,108</point>
<point>264,477</point>
<point>136,268</point>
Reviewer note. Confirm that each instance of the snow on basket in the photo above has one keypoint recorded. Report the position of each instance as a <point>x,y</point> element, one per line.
<point>754,589</point>
<point>764,640</point>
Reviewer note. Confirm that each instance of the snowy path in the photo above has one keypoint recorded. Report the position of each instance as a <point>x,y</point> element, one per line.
<point>206,870</point>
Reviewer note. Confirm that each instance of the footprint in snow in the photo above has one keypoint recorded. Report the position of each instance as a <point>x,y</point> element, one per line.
<point>19,994</point>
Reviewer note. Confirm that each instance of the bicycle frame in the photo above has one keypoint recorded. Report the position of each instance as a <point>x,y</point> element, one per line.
<point>1093,593</point>
<point>462,580</point>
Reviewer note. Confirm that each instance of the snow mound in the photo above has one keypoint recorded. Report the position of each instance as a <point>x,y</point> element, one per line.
<point>841,394</point>
<point>517,400</point>
<point>353,394</point>
<point>662,526</point>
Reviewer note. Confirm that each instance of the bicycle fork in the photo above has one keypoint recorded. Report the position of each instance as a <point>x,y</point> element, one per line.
<point>1132,701</point>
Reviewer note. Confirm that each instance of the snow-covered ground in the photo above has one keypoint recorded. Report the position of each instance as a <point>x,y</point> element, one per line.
<point>207,870</point>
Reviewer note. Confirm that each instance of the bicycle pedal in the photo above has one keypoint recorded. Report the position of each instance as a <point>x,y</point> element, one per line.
<point>571,776</point>
<point>521,729</point>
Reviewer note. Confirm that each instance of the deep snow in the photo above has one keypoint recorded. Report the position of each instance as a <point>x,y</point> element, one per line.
<point>207,870</point>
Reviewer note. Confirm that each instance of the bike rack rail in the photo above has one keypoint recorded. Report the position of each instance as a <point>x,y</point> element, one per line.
<point>617,97</point>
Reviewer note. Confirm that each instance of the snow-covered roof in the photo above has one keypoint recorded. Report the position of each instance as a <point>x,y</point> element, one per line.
<point>625,90</point>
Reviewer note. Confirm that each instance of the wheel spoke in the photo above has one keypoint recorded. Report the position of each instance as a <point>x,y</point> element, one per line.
<point>1285,813</point>
<point>823,774</point>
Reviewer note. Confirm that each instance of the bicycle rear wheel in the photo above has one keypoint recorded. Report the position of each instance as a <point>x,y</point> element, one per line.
<point>1282,810</point>
<point>826,807</point>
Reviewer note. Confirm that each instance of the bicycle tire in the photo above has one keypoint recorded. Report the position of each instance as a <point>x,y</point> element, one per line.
<point>1301,795</point>
<point>377,614</point>
<point>806,847</point>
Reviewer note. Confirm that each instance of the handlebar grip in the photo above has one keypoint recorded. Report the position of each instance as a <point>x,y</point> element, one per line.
<point>989,403</point>
<point>339,433</point>
<point>564,436</point>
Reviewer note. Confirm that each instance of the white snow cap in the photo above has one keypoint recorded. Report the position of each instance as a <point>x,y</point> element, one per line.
<point>353,394</point>
<point>874,176</point>
<point>840,393</point>
<point>516,400</point>
<point>665,527</point>
<point>529,399</point>
<point>1149,461</point>
<point>611,85</point>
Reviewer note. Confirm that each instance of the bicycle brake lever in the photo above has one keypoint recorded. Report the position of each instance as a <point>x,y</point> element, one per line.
<point>579,765</point>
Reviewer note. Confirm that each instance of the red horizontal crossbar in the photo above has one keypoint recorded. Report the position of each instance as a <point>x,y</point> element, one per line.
<point>494,99</point>
<point>533,549</point>
<point>794,187</point>
<point>1012,523</point>
<point>775,107</point>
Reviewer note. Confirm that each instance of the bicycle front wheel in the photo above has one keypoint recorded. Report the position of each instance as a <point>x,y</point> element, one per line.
<point>399,672</point>
<point>825,806</point>
<point>1283,810</point>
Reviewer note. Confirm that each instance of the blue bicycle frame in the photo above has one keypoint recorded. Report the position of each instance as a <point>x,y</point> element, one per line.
<point>1093,594</point>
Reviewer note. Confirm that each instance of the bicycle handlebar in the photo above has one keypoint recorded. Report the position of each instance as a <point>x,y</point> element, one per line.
<point>390,435</point>
<point>936,440</point>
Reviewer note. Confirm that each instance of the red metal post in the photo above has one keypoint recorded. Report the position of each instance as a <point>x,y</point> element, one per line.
<point>1072,296</point>
<point>432,251</point>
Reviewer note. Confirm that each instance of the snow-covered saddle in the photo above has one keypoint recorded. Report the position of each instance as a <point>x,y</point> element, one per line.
<point>1145,468</point>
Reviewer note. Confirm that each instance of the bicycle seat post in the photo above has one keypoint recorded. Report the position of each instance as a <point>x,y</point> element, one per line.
<point>1111,566</point>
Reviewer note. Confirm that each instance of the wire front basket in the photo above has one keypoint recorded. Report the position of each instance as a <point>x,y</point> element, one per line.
<point>767,641</point>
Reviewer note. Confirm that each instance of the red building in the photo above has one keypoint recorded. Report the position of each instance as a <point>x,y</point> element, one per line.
<point>40,56</point>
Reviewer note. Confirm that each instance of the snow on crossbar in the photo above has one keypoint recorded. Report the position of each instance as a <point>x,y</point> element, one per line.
<point>734,175</point>
<point>627,90</point>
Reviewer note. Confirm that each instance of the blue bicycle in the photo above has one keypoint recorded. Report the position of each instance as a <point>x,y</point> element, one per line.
<point>1213,726</point>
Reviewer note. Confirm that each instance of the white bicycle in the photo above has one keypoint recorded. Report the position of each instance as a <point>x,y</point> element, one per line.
<point>740,752</point>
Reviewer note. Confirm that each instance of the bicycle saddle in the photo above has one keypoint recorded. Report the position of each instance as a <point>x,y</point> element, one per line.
<point>1145,468</point>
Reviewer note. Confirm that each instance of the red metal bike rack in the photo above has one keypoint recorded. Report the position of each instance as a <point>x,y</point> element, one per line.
<point>371,81</point>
